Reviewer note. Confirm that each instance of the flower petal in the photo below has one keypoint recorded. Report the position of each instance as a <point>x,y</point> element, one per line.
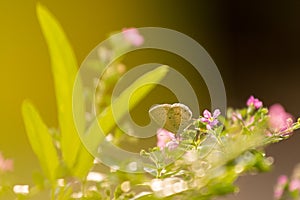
<point>217,112</point>
<point>250,100</point>
<point>206,114</point>
<point>133,36</point>
<point>163,137</point>
<point>214,122</point>
<point>208,126</point>
<point>279,119</point>
<point>205,120</point>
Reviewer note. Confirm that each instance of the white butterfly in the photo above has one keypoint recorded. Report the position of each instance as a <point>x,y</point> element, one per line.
<point>172,117</point>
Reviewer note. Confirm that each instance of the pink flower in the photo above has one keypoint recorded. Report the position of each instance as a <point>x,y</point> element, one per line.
<point>254,102</point>
<point>210,120</point>
<point>279,188</point>
<point>236,117</point>
<point>282,180</point>
<point>132,36</point>
<point>294,185</point>
<point>279,119</point>
<point>278,194</point>
<point>6,164</point>
<point>164,137</point>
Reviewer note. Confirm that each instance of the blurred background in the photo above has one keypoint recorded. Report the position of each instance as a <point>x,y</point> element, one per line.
<point>255,45</point>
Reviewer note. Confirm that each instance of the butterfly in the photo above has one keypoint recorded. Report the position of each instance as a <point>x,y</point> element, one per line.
<point>172,117</point>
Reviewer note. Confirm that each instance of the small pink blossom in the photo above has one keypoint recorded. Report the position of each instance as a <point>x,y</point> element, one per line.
<point>279,119</point>
<point>254,102</point>
<point>279,188</point>
<point>6,164</point>
<point>236,117</point>
<point>132,36</point>
<point>294,185</point>
<point>278,193</point>
<point>164,137</point>
<point>210,120</point>
<point>282,180</point>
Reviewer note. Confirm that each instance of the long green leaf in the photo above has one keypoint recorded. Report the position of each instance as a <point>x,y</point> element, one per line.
<point>64,69</point>
<point>40,140</point>
<point>107,121</point>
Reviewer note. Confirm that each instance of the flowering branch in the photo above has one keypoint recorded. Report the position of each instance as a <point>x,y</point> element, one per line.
<point>217,149</point>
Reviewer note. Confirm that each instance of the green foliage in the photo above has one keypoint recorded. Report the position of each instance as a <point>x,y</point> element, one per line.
<point>62,156</point>
<point>213,157</point>
<point>40,140</point>
<point>64,70</point>
<point>145,84</point>
<point>107,119</point>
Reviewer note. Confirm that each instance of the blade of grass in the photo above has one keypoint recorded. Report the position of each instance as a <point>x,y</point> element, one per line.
<point>40,140</point>
<point>64,69</point>
<point>106,119</point>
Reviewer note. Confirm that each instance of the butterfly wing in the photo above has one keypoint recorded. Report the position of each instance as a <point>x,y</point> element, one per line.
<point>171,117</point>
<point>179,117</point>
<point>159,113</point>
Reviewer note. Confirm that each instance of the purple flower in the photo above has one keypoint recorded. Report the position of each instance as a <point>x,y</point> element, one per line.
<point>279,119</point>
<point>254,102</point>
<point>210,120</point>
<point>132,36</point>
<point>164,137</point>
<point>6,164</point>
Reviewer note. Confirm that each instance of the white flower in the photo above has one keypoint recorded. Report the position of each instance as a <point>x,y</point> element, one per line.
<point>21,189</point>
<point>95,176</point>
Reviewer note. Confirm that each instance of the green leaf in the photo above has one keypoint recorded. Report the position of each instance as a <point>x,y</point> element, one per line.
<point>147,196</point>
<point>84,163</point>
<point>106,119</point>
<point>40,140</point>
<point>64,69</point>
